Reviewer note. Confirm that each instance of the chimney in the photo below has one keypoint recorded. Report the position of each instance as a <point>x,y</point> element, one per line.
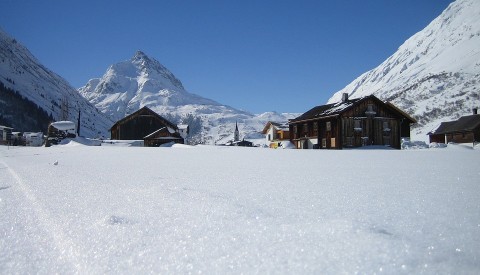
<point>344,97</point>
<point>475,111</point>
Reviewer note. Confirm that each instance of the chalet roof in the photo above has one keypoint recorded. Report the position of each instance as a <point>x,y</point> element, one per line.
<point>145,109</point>
<point>277,125</point>
<point>342,106</point>
<point>463,124</point>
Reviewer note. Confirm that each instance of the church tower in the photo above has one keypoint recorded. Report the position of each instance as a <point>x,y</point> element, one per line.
<point>236,134</point>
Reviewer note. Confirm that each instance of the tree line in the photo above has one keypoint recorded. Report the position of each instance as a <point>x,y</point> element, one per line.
<point>20,113</point>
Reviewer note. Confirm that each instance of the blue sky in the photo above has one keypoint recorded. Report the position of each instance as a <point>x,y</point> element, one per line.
<point>258,56</point>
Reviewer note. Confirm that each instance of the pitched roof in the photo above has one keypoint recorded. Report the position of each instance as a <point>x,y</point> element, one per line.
<point>342,106</point>
<point>463,124</point>
<point>442,128</point>
<point>148,110</point>
<point>277,125</point>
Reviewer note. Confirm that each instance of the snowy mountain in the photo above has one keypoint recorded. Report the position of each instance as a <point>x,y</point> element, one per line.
<point>143,81</point>
<point>434,75</point>
<point>20,71</point>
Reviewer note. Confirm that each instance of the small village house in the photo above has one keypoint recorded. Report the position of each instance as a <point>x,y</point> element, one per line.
<point>60,130</point>
<point>5,135</point>
<point>351,123</point>
<point>275,133</point>
<point>146,125</point>
<point>463,130</point>
<point>33,138</point>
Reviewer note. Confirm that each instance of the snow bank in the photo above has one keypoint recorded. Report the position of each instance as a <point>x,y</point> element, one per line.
<point>229,210</point>
<point>407,144</point>
<point>81,141</point>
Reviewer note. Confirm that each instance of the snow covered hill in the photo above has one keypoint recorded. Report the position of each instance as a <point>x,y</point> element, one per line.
<point>143,81</point>
<point>22,72</point>
<point>434,75</point>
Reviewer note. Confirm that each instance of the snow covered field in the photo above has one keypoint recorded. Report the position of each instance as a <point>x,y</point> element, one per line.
<point>218,210</point>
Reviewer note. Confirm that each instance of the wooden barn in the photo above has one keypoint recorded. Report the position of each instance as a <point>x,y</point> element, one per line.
<point>146,125</point>
<point>464,130</point>
<point>351,123</point>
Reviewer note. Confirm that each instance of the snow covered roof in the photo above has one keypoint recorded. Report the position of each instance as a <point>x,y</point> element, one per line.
<point>277,125</point>
<point>328,109</point>
<point>463,124</point>
<point>342,106</point>
<point>182,126</point>
<point>63,125</point>
<point>170,130</point>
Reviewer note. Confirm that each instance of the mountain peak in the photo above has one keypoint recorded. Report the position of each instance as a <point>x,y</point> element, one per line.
<point>140,55</point>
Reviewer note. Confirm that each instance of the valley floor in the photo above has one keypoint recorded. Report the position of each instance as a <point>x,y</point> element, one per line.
<point>221,210</point>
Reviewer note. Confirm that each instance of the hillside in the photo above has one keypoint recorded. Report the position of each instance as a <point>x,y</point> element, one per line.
<point>21,73</point>
<point>434,75</point>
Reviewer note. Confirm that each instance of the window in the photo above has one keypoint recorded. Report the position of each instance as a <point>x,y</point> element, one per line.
<point>349,141</point>
<point>357,127</point>
<point>370,111</point>
<point>328,126</point>
<point>386,128</point>
<point>324,143</point>
<point>332,142</point>
<point>315,128</point>
<point>269,138</point>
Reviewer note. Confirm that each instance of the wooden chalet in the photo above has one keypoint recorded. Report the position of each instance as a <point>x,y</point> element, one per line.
<point>464,130</point>
<point>146,125</point>
<point>351,123</point>
<point>275,133</point>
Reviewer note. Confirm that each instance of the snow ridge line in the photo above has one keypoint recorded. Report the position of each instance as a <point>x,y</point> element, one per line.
<point>68,249</point>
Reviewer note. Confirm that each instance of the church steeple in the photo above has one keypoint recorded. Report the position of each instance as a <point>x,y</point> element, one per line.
<point>236,134</point>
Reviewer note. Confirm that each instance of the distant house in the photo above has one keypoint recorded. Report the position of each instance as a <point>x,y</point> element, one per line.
<point>275,133</point>
<point>351,123</point>
<point>33,138</point>
<point>146,125</point>
<point>464,130</point>
<point>60,130</point>
<point>5,135</point>
<point>241,143</point>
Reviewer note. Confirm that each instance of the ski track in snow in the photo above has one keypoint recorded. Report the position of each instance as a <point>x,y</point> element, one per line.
<point>68,251</point>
